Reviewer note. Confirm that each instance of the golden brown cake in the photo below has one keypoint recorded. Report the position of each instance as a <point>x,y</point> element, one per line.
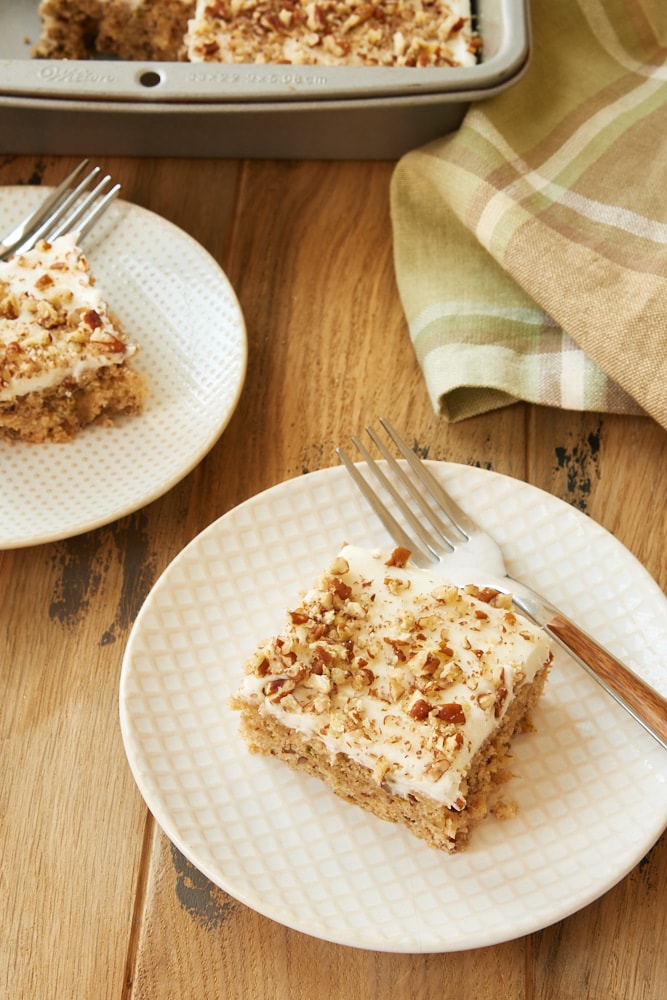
<point>63,358</point>
<point>303,32</point>
<point>399,690</point>
<point>129,29</point>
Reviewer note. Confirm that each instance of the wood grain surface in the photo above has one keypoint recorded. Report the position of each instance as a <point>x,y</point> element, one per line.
<point>95,902</point>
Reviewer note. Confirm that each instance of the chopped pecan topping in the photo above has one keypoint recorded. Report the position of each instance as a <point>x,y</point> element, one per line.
<point>420,710</point>
<point>359,32</point>
<point>451,713</point>
<point>399,557</point>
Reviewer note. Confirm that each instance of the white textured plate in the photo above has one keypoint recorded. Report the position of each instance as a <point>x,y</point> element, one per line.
<point>591,784</point>
<point>173,299</point>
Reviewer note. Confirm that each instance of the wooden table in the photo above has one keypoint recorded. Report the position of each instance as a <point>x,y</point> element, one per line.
<point>94,901</point>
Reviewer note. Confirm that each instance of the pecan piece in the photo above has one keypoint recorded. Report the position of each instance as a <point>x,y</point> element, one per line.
<point>399,557</point>
<point>451,712</point>
<point>420,710</point>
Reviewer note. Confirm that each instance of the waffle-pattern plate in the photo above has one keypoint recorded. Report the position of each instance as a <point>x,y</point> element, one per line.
<point>173,299</point>
<point>590,783</point>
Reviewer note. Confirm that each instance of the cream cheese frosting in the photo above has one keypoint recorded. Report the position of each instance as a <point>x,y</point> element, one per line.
<point>54,323</point>
<point>333,32</point>
<point>401,671</point>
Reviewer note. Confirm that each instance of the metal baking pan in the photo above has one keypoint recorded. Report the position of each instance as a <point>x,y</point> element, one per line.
<point>122,108</point>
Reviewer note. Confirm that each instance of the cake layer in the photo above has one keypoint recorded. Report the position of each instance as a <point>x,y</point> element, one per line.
<point>411,684</point>
<point>129,29</point>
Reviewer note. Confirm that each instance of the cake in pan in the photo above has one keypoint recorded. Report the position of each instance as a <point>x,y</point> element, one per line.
<point>400,691</point>
<point>63,358</point>
<point>418,33</point>
<point>128,29</point>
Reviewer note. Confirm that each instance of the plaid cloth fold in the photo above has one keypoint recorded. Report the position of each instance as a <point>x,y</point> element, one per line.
<point>530,246</point>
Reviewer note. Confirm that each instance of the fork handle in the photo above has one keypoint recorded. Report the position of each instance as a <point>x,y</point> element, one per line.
<point>642,701</point>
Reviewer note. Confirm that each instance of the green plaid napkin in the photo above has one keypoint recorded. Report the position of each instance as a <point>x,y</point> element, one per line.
<point>531,246</point>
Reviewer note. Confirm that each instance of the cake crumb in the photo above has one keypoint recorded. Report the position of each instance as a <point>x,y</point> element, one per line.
<point>503,809</point>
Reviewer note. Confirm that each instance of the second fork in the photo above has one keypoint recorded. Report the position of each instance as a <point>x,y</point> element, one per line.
<point>74,206</point>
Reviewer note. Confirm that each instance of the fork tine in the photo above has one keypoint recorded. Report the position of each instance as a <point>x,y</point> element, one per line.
<point>97,210</point>
<point>87,211</point>
<point>465,525</point>
<point>433,538</point>
<point>44,209</point>
<point>27,226</point>
<point>75,210</point>
<point>444,531</point>
<point>49,226</point>
<point>391,524</point>
<point>386,483</point>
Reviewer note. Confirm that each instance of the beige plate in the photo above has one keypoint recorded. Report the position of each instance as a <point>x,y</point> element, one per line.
<point>590,783</point>
<point>175,301</point>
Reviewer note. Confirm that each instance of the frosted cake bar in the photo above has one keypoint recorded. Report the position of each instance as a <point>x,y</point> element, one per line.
<point>419,33</point>
<point>63,358</point>
<point>399,690</point>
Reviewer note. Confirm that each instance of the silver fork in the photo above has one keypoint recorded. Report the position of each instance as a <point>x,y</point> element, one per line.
<point>448,533</point>
<point>74,206</point>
